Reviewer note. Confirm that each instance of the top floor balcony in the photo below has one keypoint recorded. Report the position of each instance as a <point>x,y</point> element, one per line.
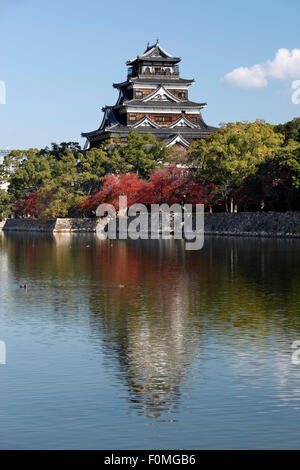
<point>154,72</point>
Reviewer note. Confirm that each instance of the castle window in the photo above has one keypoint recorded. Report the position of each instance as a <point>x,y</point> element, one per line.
<point>138,94</point>
<point>181,94</point>
<point>132,117</point>
<point>163,118</point>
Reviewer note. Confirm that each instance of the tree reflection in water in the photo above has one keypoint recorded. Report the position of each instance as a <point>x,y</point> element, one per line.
<point>155,309</point>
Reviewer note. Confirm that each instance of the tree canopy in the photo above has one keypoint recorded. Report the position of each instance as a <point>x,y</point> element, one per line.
<point>60,177</point>
<point>290,130</point>
<point>236,154</point>
<point>242,166</point>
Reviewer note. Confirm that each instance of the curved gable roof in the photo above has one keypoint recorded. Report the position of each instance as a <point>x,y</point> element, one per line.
<point>154,52</point>
<point>160,93</point>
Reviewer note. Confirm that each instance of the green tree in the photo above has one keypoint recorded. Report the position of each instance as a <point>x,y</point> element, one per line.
<point>277,180</point>
<point>289,157</point>
<point>57,202</point>
<point>5,204</point>
<point>233,153</point>
<point>96,163</point>
<point>62,193</point>
<point>290,130</point>
<point>58,150</point>
<point>25,171</point>
<point>143,153</point>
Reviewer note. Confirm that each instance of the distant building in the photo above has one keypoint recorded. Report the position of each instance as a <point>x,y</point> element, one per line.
<point>153,99</point>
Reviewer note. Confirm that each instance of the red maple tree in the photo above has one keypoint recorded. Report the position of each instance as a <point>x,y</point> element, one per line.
<point>27,206</point>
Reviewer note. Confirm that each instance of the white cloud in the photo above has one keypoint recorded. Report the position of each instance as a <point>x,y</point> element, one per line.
<point>285,65</point>
<point>243,77</point>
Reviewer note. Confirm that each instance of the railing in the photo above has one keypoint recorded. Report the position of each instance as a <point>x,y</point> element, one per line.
<point>155,73</point>
<point>159,74</point>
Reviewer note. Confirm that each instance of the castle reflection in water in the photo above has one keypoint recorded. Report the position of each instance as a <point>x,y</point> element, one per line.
<point>159,312</point>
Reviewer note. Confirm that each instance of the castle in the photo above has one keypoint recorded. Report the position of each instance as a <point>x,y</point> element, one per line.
<point>153,99</point>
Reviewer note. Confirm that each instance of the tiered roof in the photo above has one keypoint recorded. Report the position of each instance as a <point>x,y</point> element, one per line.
<point>154,53</point>
<point>161,100</point>
<point>152,81</point>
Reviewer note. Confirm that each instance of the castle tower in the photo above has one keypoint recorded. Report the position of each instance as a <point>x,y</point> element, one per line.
<point>154,99</point>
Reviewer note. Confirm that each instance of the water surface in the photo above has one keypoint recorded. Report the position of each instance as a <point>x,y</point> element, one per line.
<point>141,344</point>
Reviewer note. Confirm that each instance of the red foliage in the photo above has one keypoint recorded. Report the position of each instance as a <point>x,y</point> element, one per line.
<point>129,185</point>
<point>176,185</point>
<point>26,207</point>
<point>247,199</point>
<point>169,185</point>
<point>198,193</point>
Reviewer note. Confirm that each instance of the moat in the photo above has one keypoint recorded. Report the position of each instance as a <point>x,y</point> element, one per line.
<point>141,344</point>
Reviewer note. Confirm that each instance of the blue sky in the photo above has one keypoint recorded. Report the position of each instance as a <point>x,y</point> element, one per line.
<point>59,59</point>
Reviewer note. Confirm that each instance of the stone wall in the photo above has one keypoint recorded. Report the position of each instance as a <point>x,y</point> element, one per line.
<point>276,224</point>
<point>76,225</point>
<point>268,224</point>
<point>58,225</point>
<point>27,225</point>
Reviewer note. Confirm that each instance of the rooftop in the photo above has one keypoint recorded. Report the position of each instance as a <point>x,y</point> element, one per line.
<point>154,53</point>
<point>145,80</point>
<point>161,132</point>
<point>161,104</point>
